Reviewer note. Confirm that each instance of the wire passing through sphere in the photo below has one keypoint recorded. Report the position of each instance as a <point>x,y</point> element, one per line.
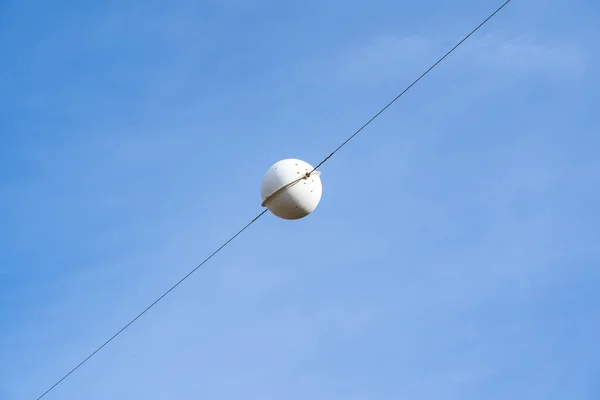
<point>291,189</point>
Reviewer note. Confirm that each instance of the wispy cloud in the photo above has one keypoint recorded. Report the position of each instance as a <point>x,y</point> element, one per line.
<point>392,57</point>
<point>525,55</point>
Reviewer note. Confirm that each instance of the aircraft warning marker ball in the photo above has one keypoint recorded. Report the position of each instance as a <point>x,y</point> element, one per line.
<point>289,189</point>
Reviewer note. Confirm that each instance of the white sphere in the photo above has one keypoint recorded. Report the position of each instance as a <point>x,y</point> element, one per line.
<point>286,190</point>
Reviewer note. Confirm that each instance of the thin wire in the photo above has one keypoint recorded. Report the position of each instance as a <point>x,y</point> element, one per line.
<point>154,303</point>
<point>411,85</point>
<point>264,211</point>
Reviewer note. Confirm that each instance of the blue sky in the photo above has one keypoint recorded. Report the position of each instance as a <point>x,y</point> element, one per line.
<point>454,254</point>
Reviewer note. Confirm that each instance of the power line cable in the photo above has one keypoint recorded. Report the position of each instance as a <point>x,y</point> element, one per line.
<point>154,303</point>
<point>264,211</point>
<point>411,85</point>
